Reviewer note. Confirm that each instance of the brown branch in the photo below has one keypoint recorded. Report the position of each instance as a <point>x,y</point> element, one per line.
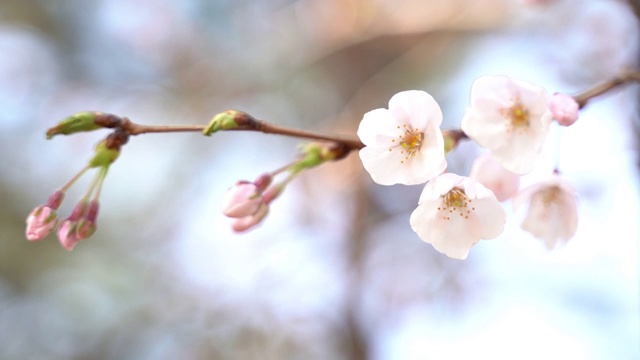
<point>246,122</point>
<point>599,89</point>
<point>137,129</point>
<point>249,124</point>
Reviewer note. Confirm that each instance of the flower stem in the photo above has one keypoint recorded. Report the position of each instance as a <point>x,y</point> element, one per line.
<point>101,176</point>
<point>74,179</point>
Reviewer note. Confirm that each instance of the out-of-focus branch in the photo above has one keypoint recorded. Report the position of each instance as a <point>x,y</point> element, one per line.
<point>599,89</point>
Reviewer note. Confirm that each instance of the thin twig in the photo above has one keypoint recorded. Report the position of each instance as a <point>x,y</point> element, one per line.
<point>350,142</point>
<point>599,89</point>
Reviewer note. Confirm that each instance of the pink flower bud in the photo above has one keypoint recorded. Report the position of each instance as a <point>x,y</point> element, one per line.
<point>40,222</point>
<point>263,181</point>
<point>272,193</point>
<point>564,109</point>
<point>247,222</point>
<point>67,234</point>
<point>44,217</point>
<point>68,229</point>
<point>490,173</point>
<point>87,225</point>
<point>244,199</point>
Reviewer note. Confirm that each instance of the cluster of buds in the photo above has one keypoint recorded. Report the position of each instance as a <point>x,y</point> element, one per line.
<point>81,224</point>
<point>247,203</point>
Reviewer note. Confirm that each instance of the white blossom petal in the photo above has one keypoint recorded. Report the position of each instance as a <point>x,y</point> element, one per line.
<point>404,144</point>
<point>456,212</point>
<point>490,173</point>
<point>509,117</point>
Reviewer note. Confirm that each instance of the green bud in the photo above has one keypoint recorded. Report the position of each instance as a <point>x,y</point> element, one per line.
<point>83,121</point>
<point>104,156</point>
<point>223,121</point>
<point>313,154</point>
<point>452,138</point>
<point>449,144</point>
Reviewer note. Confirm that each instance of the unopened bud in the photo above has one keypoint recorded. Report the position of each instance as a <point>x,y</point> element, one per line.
<point>247,222</point>
<point>272,193</point>
<point>40,222</point>
<point>313,154</point>
<point>44,217</point>
<point>452,138</point>
<point>87,225</point>
<point>564,109</point>
<point>104,156</point>
<point>84,121</point>
<point>223,121</point>
<point>67,234</point>
<point>244,199</point>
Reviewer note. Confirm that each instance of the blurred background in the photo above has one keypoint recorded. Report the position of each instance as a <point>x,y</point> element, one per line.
<point>335,271</point>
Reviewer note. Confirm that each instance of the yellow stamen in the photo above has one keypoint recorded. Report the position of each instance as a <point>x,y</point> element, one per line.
<point>409,142</point>
<point>456,201</point>
<point>518,116</point>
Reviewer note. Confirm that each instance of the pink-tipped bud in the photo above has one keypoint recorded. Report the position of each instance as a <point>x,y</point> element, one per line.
<point>263,181</point>
<point>490,173</point>
<point>40,222</point>
<point>68,229</point>
<point>67,234</point>
<point>244,199</point>
<point>87,225</point>
<point>247,222</point>
<point>564,109</point>
<point>44,217</point>
<point>272,193</point>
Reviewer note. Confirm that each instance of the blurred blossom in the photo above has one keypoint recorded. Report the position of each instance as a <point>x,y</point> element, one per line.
<point>552,210</point>
<point>490,173</point>
<point>509,117</point>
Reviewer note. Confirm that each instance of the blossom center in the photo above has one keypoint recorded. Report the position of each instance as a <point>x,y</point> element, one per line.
<point>455,201</point>
<point>409,142</point>
<point>548,197</point>
<point>518,116</point>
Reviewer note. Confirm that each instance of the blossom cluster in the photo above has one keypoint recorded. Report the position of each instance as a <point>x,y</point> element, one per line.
<point>511,118</point>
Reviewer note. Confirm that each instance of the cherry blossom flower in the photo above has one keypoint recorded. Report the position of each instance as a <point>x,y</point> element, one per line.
<point>564,109</point>
<point>403,144</point>
<point>490,173</point>
<point>509,117</point>
<point>44,217</point>
<point>456,212</point>
<point>552,210</point>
